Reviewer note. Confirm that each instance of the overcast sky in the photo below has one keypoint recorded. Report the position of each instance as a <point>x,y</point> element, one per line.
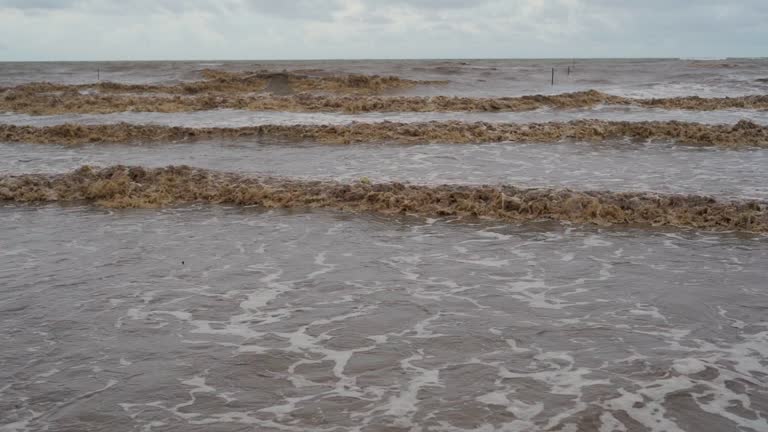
<point>313,29</point>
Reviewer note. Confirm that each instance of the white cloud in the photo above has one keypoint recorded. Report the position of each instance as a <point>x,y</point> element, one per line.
<point>259,29</point>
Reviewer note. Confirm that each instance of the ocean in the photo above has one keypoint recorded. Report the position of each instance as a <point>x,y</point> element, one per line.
<point>364,279</point>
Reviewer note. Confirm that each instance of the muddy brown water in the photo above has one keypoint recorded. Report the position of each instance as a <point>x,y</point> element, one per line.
<point>617,166</point>
<point>221,318</point>
<point>240,118</point>
<point>628,77</point>
<point>215,318</point>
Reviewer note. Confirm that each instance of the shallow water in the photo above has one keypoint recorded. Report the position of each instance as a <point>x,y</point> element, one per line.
<point>618,166</point>
<point>631,77</point>
<point>237,118</point>
<point>210,318</point>
<point>324,321</point>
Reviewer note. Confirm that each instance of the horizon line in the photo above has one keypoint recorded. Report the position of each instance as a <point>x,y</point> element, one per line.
<point>692,58</point>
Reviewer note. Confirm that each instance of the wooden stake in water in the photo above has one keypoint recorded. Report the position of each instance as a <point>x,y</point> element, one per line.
<point>98,74</point>
<point>569,71</point>
<point>553,76</point>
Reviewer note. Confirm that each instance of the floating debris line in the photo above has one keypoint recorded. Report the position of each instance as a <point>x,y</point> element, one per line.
<point>58,100</point>
<point>742,134</point>
<point>137,187</point>
<point>215,81</point>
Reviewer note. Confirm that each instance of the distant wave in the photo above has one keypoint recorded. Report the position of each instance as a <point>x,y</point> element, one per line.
<point>703,58</point>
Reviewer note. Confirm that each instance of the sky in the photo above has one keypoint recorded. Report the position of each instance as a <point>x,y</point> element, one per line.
<point>41,30</point>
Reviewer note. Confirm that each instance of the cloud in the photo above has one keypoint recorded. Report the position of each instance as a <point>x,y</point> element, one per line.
<point>258,29</point>
<point>429,4</point>
<point>37,4</point>
<point>293,9</point>
<point>296,6</point>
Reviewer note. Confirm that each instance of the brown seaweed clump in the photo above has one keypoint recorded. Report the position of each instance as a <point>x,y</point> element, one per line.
<point>53,101</point>
<point>132,187</point>
<point>74,102</point>
<point>742,134</point>
<point>222,82</point>
<point>245,84</point>
<point>314,81</point>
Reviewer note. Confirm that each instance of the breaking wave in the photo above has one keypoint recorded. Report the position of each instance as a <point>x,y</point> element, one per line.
<point>52,102</point>
<point>743,134</point>
<point>216,81</point>
<point>137,187</point>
